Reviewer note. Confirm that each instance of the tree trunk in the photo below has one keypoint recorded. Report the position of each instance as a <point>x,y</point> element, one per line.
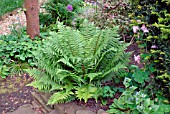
<point>32,16</point>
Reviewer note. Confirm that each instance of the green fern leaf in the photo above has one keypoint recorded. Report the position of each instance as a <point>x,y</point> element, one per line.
<point>75,62</point>
<point>60,97</point>
<point>85,92</point>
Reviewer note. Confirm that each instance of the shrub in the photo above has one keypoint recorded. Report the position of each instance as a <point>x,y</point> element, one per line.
<point>74,63</point>
<point>62,10</point>
<point>154,42</point>
<point>111,13</point>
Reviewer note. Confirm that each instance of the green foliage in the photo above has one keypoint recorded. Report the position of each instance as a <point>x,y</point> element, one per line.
<point>57,11</point>
<point>17,52</point>
<point>110,13</point>
<point>140,75</point>
<point>4,71</point>
<point>9,5</point>
<point>155,44</point>
<point>167,1</point>
<point>131,102</point>
<point>75,63</point>
<point>108,92</point>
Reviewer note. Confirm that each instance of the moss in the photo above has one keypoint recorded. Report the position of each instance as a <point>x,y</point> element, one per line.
<point>8,85</point>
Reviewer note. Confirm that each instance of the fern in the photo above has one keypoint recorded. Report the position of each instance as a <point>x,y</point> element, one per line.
<point>72,62</point>
<point>60,97</point>
<point>85,92</point>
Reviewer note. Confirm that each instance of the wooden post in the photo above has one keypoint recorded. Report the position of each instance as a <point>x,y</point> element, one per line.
<point>32,16</point>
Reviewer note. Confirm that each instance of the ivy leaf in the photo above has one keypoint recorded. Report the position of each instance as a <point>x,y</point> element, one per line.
<point>147,102</point>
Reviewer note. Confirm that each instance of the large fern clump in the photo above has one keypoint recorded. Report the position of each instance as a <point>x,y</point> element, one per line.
<point>74,63</point>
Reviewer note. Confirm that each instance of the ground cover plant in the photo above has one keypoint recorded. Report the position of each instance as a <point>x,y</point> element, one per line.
<point>17,52</point>
<point>131,102</point>
<point>9,5</point>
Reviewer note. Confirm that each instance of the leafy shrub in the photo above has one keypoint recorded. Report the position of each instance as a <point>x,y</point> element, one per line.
<point>131,102</point>
<point>62,10</point>
<point>155,42</point>
<point>17,52</point>
<point>111,13</point>
<point>74,63</point>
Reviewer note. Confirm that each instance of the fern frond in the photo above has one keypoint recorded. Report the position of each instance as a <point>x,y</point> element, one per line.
<point>85,92</point>
<point>92,76</point>
<point>35,73</point>
<point>36,84</point>
<point>73,62</point>
<point>60,97</point>
<point>114,69</point>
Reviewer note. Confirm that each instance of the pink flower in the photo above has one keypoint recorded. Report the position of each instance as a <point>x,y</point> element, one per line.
<point>144,28</point>
<point>113,16</point>
<point>137,58</point>
<point>69,7</point>
<point>106,5</point>
<point>135,29</point>
<point>154,47</point>
<point>138,21</point>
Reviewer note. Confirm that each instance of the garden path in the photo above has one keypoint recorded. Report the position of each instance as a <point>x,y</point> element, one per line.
<point>14,19</point>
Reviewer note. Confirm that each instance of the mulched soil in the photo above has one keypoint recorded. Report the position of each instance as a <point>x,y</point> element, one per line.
<point>16,96</point>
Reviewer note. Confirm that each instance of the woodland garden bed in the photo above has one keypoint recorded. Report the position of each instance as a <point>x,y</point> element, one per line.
<point>100,56</point>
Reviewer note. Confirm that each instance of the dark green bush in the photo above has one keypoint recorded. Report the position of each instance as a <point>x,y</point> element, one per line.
<point>111,13</point>
<point>155,43</point>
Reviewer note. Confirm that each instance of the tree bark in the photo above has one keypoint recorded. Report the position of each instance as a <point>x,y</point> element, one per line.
<point>32,16</point>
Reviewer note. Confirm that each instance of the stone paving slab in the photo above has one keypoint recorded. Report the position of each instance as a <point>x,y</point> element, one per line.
<point>25,109</point>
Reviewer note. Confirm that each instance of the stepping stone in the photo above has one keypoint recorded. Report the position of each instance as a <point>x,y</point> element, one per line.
<point>85,112</point>
<point>101,111</point>
<point>25,109</point>
<point>67,108</point>
<point>53,112</point>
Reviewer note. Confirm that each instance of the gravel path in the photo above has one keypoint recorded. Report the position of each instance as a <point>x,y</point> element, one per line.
<point>12,20</point>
